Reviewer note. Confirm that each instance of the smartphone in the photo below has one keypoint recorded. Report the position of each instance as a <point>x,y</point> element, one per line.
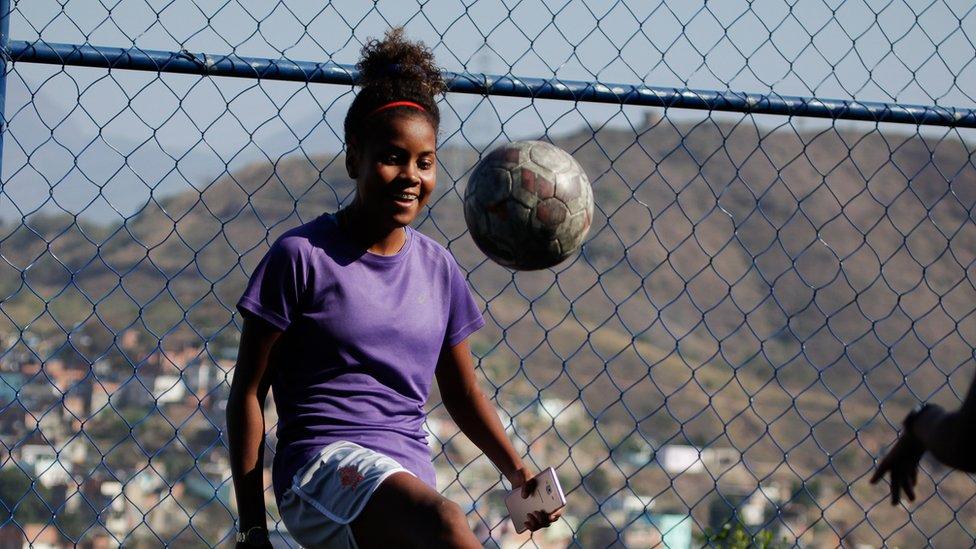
<point>548,497</point>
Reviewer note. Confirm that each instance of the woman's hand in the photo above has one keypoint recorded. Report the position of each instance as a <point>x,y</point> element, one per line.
<point>902,463</point>
<point>522,477</point>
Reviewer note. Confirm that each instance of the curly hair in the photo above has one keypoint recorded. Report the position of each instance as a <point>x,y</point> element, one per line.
<point>394,69</point>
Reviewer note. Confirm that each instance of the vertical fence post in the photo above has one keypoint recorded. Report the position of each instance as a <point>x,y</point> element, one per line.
<point>4,56</point>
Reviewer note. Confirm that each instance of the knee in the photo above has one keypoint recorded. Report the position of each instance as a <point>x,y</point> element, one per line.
<point>446,524</point>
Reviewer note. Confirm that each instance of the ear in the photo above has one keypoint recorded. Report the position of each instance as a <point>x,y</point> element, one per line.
<point>352,160</point>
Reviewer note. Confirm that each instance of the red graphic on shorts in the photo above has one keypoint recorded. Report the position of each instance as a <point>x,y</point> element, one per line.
<point>350,476</point>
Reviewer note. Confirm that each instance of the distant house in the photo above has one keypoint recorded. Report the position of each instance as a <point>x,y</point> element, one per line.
<point>672,531</point>
<point>42,536</point>
<point>736,504</point>
<point>75,407</point>
<point>200,376</point>
<point>10,382</point>
<point>128,339</point>
<point>101,393</point>
<point>105,370</point>
<point>679,458</point>
<point>114,517</point>
<point>169,388</point>
<point>48,468</point>
<point>209,489</point>
<point>627,503</point>
<point>637,504</point>
<point>753,509</point>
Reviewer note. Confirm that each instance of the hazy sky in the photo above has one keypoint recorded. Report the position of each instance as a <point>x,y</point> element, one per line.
<point>910,52</point>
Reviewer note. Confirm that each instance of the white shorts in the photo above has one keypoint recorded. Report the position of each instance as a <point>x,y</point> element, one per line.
<point>330,491</point>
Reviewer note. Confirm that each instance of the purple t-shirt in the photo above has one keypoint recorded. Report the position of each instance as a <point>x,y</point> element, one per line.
<point>361,337</point>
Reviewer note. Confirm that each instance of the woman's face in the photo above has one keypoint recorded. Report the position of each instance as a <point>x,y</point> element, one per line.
<point>395,170</point>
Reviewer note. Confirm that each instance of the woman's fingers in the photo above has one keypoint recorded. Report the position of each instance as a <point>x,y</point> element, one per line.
<point>903,480</point>
<point>883,468</point>
<point>901,464</point>
<point>528,488</point>
<point>545,519</point>
<point>907,484</point>
<point>540,519</point>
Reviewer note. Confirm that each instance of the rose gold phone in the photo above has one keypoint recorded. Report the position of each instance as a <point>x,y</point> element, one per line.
<point>548,497</point>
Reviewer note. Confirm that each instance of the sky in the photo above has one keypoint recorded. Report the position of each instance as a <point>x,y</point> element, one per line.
<point>127,131</point>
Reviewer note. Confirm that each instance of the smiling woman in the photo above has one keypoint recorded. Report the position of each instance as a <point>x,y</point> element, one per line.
<point>350,317</point>
<point>395,176</point>
<point>391,138</point>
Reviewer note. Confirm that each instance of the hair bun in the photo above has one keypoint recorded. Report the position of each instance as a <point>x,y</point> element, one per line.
<point>392,70</point>
<point>385,62</point>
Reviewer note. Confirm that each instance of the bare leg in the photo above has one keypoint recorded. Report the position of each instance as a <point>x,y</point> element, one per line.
<point>405,512</point>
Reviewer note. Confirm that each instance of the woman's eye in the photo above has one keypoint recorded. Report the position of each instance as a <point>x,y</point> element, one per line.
<point>391,157</point>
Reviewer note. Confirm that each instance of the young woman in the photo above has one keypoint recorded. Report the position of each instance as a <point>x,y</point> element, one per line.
<point>350,317</point>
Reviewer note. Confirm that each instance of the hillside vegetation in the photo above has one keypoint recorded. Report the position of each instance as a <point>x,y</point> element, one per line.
<point>787,294</point>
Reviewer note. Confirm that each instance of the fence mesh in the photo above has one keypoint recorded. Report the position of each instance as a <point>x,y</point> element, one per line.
<point>760,301</point>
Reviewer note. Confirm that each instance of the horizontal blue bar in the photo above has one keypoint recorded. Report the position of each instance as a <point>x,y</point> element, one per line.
<point>484,84</point>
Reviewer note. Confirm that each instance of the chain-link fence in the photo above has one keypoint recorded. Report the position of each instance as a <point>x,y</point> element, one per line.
<point>761,299</point>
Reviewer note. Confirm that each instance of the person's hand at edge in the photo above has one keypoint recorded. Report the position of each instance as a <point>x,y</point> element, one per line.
<point>901,463</point>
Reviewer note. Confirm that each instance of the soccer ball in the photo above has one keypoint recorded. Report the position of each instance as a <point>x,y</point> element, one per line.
<point>528,205</point>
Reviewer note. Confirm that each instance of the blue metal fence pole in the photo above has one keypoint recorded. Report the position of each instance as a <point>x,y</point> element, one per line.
<point>4,56</point>
<point>186,62</point>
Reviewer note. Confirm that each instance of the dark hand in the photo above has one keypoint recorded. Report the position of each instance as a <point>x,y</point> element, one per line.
<point>902,463</point>
<point>523,477</point>
<point>539,519</point>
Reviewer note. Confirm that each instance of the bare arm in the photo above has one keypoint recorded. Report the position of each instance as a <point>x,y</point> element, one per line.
<point>477,419</point>
<point>472,411</point>
<point>245,420</point>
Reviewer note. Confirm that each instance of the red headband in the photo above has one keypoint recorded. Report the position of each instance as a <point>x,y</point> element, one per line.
<point>392,104</point>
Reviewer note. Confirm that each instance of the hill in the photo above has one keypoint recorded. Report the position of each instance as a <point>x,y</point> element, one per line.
<point>787,294</point>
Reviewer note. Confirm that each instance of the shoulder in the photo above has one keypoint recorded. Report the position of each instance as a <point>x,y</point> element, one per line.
<point>433,251</point>
<point>298,241</point>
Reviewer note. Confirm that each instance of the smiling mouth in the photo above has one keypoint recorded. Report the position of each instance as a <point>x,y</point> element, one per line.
<point>405,197</point>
